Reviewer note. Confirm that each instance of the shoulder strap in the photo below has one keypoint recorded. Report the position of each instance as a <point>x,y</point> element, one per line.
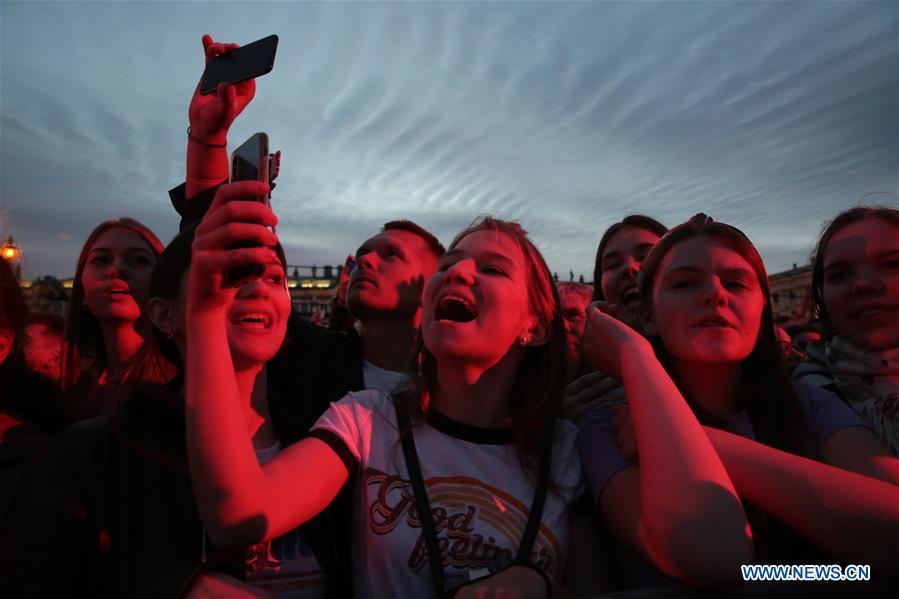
<point>536,514</point>
<point>422,505</point>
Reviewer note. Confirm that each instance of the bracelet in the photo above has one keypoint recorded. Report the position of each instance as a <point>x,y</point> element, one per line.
<point>205,143</point>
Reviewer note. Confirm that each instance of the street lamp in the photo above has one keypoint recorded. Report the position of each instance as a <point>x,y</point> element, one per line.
<point>12,253</point>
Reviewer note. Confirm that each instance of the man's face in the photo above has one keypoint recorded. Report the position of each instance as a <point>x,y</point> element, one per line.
<point>574,306</point>
<point>391,269</point>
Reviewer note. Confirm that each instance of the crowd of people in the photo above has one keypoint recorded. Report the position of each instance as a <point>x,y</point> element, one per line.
<point>466,426</point>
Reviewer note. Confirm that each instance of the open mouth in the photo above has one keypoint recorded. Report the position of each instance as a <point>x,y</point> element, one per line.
<point>455,308</point>
<point>629,296</point>
<point>254,320</point>
<point>714,322</point>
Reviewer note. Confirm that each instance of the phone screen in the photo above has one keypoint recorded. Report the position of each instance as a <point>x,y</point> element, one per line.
<point>247,62</point>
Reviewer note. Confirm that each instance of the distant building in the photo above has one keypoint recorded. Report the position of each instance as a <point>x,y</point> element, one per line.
<point>791,293</point>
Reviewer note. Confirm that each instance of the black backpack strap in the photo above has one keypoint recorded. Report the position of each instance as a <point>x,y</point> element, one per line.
<point>536,513</point>
<point>422,505</point>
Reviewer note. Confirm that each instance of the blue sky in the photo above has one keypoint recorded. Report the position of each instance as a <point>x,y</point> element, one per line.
<point>772,116</point>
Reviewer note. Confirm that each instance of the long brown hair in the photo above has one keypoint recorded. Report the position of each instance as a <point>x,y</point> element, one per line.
<point>842,220</point>
<point>765,389</point>
<point>83,349</point>
<point>536,396</point>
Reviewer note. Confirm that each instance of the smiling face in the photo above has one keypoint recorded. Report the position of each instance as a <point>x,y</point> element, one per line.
<point>706,303</point>
<point>257,314</point>
<point>390,272</point>
<point>621,258</point>
<point>476,306</point>
<point>860,285</point>
<point>116,275</point>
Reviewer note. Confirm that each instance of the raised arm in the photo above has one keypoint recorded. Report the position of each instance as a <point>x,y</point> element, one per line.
<point>851,516</point>
<point>678,508</point>
<point>240,501</point>
<point>210,118</point>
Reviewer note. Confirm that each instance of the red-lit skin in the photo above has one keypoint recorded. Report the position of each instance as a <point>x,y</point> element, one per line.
<point>679,466</point>
<point>242,502</point>
<point>116,281</point>
<point>621,258</point>
<point>780,483</point>
<point>574,306</point>
<point>210,118</point>
<point>43,349</point>
<point>477,360</point>
<point>861,283</point>
<point>384,294</point>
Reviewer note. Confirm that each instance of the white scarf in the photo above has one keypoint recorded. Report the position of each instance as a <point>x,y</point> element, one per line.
<point>869,381</point>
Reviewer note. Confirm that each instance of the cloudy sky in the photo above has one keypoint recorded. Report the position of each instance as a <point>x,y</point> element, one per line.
<point>771,116</point>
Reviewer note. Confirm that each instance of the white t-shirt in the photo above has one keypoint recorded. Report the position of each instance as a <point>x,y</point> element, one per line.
<point>285,566</point>
<point>375,377</point>
<point>476,488</point>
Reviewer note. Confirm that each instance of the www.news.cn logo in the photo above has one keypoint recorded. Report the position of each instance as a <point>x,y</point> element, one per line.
<point>805,572</point>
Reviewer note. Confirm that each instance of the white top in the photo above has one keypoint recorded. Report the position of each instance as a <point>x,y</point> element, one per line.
<point>286,566</point>
<point>375,377</point>
<point>479,495</point>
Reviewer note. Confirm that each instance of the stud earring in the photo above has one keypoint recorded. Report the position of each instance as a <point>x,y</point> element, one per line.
<point>524,340</point>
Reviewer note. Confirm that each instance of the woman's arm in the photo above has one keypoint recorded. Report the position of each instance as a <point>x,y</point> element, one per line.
<point>678,507</point>
<point>851,516</point>
<point>211,116</point>
<point>240,501</point>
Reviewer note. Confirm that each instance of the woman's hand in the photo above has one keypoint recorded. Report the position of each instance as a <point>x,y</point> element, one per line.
<point>604,338</point>
<point>515,582</point>
<point>229,221</point>
<point>593,388</point>
<point>211,115</point>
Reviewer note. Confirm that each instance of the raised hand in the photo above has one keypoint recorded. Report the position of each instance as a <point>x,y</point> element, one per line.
<point>605,336</point>
<point>229,221</point>
<point>588,390</point>
<point>211,115</point>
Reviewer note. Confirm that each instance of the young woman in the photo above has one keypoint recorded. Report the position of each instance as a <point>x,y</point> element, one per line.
<point>127,473</point>
<point>106,322</point>
<point>476,444</point>
<point>681,508</point>
<point>621,250</point>
<point>618,256</point>
<point>855,289</point>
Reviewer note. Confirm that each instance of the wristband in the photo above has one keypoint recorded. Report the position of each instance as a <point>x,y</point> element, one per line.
<point>205,143</point>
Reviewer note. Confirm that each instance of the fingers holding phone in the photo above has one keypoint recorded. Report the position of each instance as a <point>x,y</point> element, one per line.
<point>227,85</point>
<point>235,233</point>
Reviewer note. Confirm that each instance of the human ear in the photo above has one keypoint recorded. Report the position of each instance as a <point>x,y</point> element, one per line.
<point>161,313</point>
<point>6,341</point>
<point>537,334</point>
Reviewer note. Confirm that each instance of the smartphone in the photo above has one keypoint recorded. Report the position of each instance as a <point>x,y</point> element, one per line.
<point>251,162</point>
<point>350,265</point>
<point>242,64</point>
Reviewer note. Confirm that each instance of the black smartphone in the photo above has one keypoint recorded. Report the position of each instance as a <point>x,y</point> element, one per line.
<point>350,266</point>
<point>247,62</point>
<point>251,161</point>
